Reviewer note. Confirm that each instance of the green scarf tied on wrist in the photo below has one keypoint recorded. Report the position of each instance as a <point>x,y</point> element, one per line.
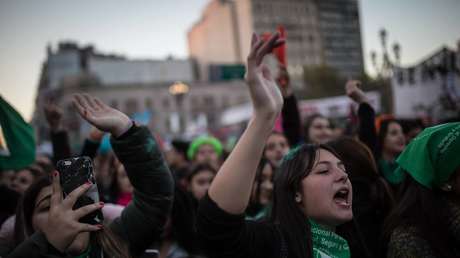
<point>433,156</point>
<point>327,244</point>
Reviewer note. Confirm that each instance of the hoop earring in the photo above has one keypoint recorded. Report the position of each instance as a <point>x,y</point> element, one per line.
<point>447,188</point>
<point>298,198</point>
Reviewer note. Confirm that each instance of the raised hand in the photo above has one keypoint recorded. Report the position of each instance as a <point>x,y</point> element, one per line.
<point>284,82</point>
<point>100,115</point>
<point>53,115</point>
<point>63,225</point>
<point>354,92</point>
<point>265,94</point>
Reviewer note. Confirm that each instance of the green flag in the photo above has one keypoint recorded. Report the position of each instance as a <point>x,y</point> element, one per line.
<point>17,141</point>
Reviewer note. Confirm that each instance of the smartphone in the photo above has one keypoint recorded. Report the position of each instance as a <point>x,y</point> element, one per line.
<point>75,172</point>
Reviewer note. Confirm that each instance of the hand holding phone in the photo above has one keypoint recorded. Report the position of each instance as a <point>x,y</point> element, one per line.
<point>63,223</point>
<point>75,172</point>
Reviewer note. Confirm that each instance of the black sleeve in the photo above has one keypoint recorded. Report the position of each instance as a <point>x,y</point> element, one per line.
<point>61,145</point>
<point>291,121</point>
<point>225,235</point>
<point>90,148</point>
<point>36,246</point>
<point>141,222</point>
<point>367,131</point>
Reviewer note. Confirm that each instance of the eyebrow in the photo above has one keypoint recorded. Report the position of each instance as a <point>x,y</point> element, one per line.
<point>43,199</point>
<point>340,163</point>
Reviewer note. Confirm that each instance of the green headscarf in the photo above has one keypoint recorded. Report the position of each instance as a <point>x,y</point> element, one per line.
<point>195,145</point>
<point>433,156</point>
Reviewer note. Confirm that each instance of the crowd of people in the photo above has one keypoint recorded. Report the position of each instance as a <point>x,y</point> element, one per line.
<point>382,188</point>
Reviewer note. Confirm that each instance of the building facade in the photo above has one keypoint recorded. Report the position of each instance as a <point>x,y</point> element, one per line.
<point>431,88</point>
<point>140,88</point>
<point>325,32</point>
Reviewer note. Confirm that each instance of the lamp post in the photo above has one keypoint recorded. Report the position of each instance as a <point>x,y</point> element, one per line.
<point>179,90</point>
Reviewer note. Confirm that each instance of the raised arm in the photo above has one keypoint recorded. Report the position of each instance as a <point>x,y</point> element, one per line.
<point>290,113</point>
<point>366,114</point>
<point>142,222</point>
<point>59,136</point>
<point>231,188</point>
<point>92,143</point>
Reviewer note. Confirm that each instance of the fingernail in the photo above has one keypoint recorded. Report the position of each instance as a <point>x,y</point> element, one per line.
<point>100,226</point>
<point>88,183</point>
<point>102,204</point>
<point>55,173</point>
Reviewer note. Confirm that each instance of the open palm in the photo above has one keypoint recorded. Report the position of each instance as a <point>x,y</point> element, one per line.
<point>100,115</point>
<point>265,94</point>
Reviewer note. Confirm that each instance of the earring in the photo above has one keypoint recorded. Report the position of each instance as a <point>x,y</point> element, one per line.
<point>298,198</point>
<point>446,187</point>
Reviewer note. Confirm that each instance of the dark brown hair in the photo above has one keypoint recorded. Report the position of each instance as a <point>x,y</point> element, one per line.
<point>23,228</point>
<point>309,122</point>
<point>372,197</point>
<point>286,213</point>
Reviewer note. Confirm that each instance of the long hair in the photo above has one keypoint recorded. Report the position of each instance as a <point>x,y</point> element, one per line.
<point>372,197</point>
<point>286,213</point>
<point>259,173</point>
<point>427,210</point>
<point>113,189</point>
<point>23,228</point>
<point>362,169</point>
<point>382,133</point>
<point>255,205</point>
<point>308,123</point>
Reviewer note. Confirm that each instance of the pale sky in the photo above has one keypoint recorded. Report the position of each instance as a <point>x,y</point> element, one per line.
<point>157,28</point>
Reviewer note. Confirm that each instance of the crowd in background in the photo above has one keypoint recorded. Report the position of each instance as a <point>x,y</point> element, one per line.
<point>378,187</point>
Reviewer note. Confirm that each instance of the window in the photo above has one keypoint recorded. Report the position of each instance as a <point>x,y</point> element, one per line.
<point>165,103</point>
<point>148,104</point>
<point>208,101</point>
<point>114,104</point>
<point>225,102</point>
<point>131,106</point>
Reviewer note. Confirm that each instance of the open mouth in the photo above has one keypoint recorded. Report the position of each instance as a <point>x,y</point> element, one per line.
<point>341,197</point>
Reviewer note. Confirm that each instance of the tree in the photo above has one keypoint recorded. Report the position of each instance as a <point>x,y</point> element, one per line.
<point>322,81</point>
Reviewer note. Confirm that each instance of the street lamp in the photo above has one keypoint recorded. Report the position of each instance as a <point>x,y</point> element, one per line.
<point>179,90</point>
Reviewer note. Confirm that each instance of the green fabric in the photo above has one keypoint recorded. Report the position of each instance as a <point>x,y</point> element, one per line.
<point>261,214</point>
<point>390,172</point>
<point>19,137</point>
<point>433,155</point>
<point>292,153</point>
<point>327,244</point>
<point>195,145</point>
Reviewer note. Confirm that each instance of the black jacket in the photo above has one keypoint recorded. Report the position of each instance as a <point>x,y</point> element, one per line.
<point>142,221</point>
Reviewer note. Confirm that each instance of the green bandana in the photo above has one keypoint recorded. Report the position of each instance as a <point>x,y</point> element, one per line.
<point>390,172</point>
<point>433,155</point>
<point>327,244</point>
